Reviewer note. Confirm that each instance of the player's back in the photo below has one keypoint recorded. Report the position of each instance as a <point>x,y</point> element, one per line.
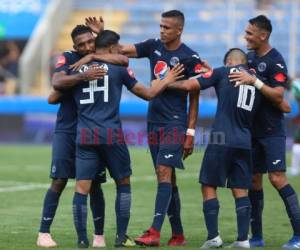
<point>98,103</point>
<point>271,68</point>
<point>236,107</point>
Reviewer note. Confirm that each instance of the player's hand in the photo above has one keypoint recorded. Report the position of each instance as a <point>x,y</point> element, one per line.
<point>96,25</point>
<point>205,67</point>
<point>188,146</point>
<point>175,73</point>
<point>84,60</point>
<point>94,73</point>
<point>241,77</point>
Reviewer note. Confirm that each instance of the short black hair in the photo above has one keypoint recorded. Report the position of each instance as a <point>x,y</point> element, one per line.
<point>262,22</point>
<point>174,13</point>
<point>106,38</point>
<point>230,51</point>
<point>80,29</point>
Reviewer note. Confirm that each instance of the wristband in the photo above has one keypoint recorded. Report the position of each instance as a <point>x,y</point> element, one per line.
<point>258,84</point>
<point>190,131</point>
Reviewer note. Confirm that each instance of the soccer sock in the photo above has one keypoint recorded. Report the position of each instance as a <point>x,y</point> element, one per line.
<point>80,215</point>
<point>50,205</point>
<point>122,207</point>
<point>162,201</point>
<point>257,206</point>
<point>295,167</point>
<point>243,212</point>
<point>211,212</point>
<point>97,204</point>
<point>174,212</point>
<point>290,199</point>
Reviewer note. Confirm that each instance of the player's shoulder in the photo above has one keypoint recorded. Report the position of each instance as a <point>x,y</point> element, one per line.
<point>275,60</point>
<point>189,51</point>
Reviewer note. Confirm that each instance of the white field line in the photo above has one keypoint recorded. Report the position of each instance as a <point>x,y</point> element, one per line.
<point>12,186</point>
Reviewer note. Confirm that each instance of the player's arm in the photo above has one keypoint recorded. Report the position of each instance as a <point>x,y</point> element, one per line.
<point>185,85</point>
<point>157,86</point>
<point>109,58</point>
<point>274,94</point>
<point>129,50</point>
<point>188,145</point>
<point>61,80</point>
<point>284,106</point>
<point>55,97</point>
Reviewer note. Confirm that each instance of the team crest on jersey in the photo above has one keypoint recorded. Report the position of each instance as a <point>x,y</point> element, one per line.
<point>60,61</point>
<point>161,69</point>
<point>131,73</point>
<point>262,67</point>
<point>174,60</point>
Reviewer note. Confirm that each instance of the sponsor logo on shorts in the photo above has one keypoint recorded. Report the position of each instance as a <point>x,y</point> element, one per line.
<point>168,156</point>
<point>276,162</point>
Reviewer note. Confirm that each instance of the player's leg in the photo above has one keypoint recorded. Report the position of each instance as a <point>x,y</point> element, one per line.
<point>62,168</point>
<point>87,160</point>
<point>239,180</point>
<point>277,177</point>
<point>256,194</point>
<point>166,155</point>
<point>117,160</point>
<point>97,205</point>
<point>163,196</point>
<point>174,216</point>
<point>212,175</point>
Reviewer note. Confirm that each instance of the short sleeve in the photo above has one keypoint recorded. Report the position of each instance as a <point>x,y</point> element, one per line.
<point>62,63</point>
<point>128,78</point>
<point>145,48</point>
<point>193,66</point>
<point>278,74</point>
<point>209,78</point>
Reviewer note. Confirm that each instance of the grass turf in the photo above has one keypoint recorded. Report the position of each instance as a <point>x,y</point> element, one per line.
<point>20,210</point>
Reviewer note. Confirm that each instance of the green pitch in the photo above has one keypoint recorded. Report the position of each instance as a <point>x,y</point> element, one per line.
<point>24,180</point>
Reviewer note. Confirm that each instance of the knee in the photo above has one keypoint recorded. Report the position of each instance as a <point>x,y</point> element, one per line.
<point>164,174</point>
<point>123,181</point>
<point>257,182</point>
<point>278,179</point>
<point>58,185</point>
<point>83,187</point>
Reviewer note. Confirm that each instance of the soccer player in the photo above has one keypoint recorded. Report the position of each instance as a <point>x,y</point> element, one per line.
<point>63,148</point>
<point>167,119</point>
<point>268,132</point>
<point>228,159</point>
<point>99,134</point>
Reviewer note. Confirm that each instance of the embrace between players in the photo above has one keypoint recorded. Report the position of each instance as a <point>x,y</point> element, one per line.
<point>88,84</point>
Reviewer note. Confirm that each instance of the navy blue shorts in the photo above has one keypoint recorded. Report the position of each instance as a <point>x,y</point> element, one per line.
<point>166,144</point>
<point>114,156</point>
<point>224,166</point>
<point>63,156</point>
<point>268,154</point>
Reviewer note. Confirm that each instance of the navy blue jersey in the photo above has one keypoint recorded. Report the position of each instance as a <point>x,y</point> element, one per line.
<point>271,69</point>
<point>235,110</point>
<point>170,107</point>
<point>98,104</point>
<point>66,120</point>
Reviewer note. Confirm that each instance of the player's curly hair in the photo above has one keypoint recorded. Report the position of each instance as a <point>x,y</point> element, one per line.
<point>80,29</point>
<point>262,22</point>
